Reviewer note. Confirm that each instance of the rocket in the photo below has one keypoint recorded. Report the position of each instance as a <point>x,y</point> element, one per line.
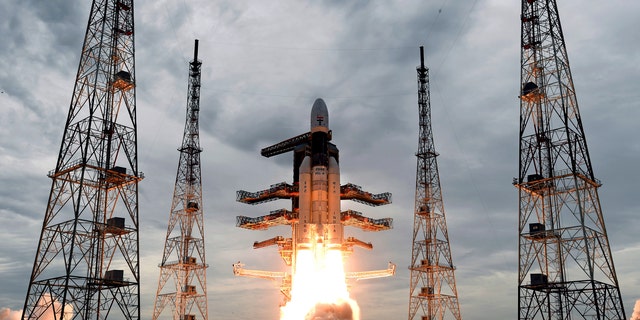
<point>317,224</point>
<point>319,188</point>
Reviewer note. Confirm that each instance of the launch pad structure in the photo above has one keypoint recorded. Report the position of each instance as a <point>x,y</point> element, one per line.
<point>315,196</point>
<point>566,268</point>
<point>182,284</point>
<point>87,264</point>
<point>433,293</point>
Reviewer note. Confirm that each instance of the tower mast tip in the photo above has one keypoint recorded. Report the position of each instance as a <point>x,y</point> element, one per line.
<point>195,51</point>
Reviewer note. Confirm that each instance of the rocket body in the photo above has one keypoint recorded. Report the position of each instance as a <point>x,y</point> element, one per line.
<point>319,188</point>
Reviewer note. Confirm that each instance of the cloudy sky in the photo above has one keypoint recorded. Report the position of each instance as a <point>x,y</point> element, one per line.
<point>264,63</point>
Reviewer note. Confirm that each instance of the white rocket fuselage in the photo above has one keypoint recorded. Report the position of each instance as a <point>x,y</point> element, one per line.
<point>319,189</point>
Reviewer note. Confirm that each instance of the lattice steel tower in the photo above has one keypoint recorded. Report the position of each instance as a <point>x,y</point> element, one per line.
<point>86,264</point>
<point>566,268</point>
<point>433,293</point>
<point>183,282</point>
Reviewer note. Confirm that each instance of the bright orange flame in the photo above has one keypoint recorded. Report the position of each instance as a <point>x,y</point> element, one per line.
<point>319,279</point>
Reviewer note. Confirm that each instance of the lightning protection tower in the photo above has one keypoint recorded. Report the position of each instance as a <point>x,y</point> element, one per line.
<point>183,282</point>
<point>566,268</point>
<point>86,264</point>
<point>433,293</point>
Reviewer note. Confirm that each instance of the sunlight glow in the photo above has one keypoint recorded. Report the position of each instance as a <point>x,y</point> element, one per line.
<point>319,289</point>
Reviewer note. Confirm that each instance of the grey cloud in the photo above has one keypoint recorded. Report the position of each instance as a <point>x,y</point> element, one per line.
<point>263,67</point>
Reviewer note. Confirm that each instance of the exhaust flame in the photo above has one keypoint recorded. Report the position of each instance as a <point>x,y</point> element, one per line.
<point>319,288</point>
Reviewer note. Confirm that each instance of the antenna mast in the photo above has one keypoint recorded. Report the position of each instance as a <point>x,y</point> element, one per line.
<point>433,293</point>
<point>183,261</point>
<point>86,264</point>
<point>565,268</point>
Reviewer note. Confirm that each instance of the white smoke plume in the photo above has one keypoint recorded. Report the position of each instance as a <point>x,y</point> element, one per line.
<point>45,307</point>
<point>8,314</point>
<point>342,310</point>
<point>636,311</point>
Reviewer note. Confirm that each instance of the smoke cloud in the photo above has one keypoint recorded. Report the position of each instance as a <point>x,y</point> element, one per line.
<point>636,311</point>
<point>45,308</point>
<point>8,314</point>
<point>343,310</point>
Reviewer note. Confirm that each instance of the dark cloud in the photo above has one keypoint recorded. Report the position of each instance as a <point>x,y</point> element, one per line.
<point>263,66</point>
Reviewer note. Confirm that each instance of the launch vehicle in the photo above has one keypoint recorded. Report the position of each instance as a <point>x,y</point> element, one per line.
<point>319,188</point>
<point>315,218</point>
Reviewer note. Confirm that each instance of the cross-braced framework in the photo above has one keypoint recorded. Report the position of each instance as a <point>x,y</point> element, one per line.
<point>86,264</point>
<point>183,283</point>
<point>433,292</point>
<point>566,269</point>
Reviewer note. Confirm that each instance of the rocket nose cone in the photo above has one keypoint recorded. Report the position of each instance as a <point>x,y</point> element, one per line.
<point>319,116</point>
<point>319,103</point>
